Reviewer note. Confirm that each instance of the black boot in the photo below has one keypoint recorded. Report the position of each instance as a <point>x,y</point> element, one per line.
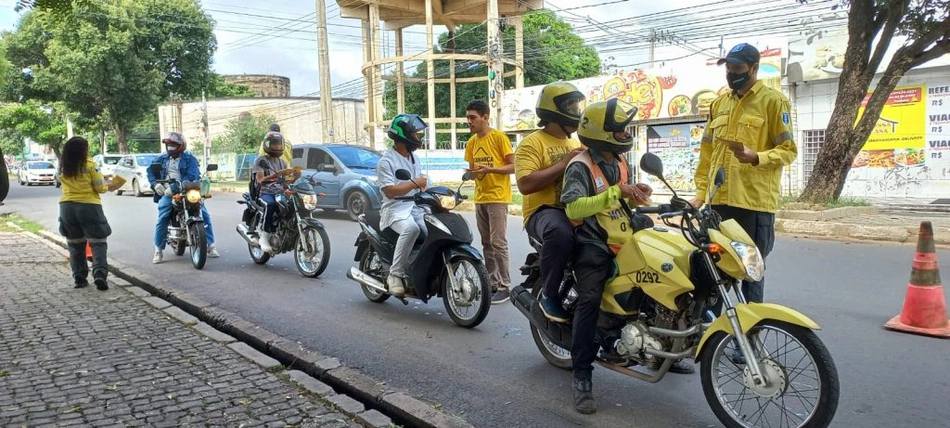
<point>584,397</point>
<point>81,284</point>
<point>682,367</point>
<point>101,284</point>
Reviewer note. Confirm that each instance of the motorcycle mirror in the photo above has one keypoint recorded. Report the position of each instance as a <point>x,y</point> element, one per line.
<point>155,169</point>
<point>403,174</point>
<point>212,167</point>
<point>467,176</point>
<point>720,176</point>
<point>651,164</point>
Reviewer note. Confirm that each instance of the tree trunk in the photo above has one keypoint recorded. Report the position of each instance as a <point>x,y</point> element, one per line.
<point>103,145</point>
<point>122,139</point>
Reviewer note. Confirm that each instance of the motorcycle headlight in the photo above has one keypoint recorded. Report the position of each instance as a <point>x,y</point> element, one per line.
<point>193,196</point>
<point>431,219</point>
<point>751,259</point>
<point>447,202</point>
<point>309,201</point>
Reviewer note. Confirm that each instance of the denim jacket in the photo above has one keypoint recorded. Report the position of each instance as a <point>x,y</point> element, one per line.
<point>187,166</point>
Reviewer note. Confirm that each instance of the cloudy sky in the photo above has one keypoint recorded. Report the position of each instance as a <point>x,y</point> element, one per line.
<point>279,36</point>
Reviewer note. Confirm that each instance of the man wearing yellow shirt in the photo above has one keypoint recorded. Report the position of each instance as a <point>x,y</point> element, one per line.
<point>540,161</point>
<point>491,160</point>
<point>749,134</point>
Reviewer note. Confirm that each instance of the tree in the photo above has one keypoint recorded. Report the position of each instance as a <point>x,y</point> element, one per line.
<point>219,88</point>
<point>872,25</point>
<point>44,124</point>
<point>11,142</point>
<point>244,134</point>
<point>116,59</point>
<point>552,52</point>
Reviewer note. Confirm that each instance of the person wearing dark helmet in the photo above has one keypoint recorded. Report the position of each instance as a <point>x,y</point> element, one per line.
<point>404,217</point>
<point>287,156</point>
<point>540,161</point>
<point>267,169</point>
<point>180,164</point>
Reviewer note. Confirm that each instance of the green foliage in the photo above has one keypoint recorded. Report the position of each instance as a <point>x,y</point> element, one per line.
<point>11,142</point>
<point>45,124</point>
<point>552,52</point>
<point>115,59</point>
<point>219,88</point>
<point>144,136</point>
<point>244,134</point>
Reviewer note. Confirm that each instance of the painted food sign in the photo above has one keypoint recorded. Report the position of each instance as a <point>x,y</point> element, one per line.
<point>898,138</point>
<point>678,147</point>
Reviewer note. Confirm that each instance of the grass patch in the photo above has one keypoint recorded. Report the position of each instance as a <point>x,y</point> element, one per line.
<point>22,222</point>
<point>791,203</point>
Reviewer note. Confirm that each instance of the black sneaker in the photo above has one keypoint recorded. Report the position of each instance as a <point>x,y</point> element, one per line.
<point>101,284</point>
<point>554,311</point>
<point>584,397</point>
<point>500,296</point>
<point>83,284</point>
<point>682,367</point>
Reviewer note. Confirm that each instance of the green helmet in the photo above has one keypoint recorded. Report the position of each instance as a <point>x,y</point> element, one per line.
<point>408,129</point>
<point>560,102</point>
<point>599,122</point>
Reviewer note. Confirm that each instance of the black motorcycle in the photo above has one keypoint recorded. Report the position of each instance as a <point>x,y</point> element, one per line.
<point>445,264</point>
<point>187,227</point>
<point>297,229</point>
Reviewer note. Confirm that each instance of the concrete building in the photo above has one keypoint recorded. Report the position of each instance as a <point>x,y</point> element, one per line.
<point>262,85</point>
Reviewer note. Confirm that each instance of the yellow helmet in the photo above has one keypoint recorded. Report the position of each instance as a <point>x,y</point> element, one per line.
<point>599,122</point>
<point>560,102</point>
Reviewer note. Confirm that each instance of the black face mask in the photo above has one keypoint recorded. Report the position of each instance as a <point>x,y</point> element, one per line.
<point>737,80</point>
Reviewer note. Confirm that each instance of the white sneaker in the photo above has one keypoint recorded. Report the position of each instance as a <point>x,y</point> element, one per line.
<point>157,258</point>
<point>394,283</point>
<point>213,252</point>
<point>265,242</point>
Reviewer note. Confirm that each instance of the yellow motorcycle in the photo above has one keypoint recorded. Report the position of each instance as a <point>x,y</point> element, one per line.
<point>762,365</point>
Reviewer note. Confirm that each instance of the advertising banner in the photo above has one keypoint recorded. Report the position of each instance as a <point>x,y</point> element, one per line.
<point>898,138</point>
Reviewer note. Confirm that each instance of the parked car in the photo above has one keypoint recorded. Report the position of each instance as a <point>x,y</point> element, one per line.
<point>106,163</point>
<point>348,174</point>
<point>36,172</point>
<point>133,168</point>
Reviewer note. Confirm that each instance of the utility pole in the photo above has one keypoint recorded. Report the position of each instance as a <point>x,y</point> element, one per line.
<point>652,46</point>
<point>204,124</point>
<point>496,68</point>
<point>323,62</point>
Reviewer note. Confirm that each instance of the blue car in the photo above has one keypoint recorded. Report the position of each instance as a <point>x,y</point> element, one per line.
<point>348,174</point>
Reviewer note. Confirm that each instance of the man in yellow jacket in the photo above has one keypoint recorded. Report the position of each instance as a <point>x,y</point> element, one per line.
<point>749,135</point>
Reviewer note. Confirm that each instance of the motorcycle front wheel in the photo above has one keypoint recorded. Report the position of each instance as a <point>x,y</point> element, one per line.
<point>468,304</point>
<point>198,244</point>
<point>369,263</point>
<point>312,264</point>
<point>554,354</point>
<point>801,379</point>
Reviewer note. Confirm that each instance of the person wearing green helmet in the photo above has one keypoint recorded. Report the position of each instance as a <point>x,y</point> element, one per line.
<point>403,216</point>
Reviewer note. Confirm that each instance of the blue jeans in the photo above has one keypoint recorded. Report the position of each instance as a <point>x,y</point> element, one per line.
<point>270,213</point>
<point>165,215</point>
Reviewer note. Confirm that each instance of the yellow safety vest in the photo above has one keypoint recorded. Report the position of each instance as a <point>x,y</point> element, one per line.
<point>613,220</point>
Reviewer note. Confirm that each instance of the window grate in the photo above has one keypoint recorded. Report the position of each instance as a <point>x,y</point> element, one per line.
<point>813,140</point>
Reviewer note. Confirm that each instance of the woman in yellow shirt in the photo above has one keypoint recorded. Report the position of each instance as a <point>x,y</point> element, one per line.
<point>81,219</point>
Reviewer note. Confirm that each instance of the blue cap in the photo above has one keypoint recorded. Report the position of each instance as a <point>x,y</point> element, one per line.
<point>743,53</point>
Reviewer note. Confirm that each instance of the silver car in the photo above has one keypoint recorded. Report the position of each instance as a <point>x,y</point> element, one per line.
<point>133,168</point>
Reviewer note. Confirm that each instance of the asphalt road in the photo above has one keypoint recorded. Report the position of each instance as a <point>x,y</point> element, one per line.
<point>494,376</point>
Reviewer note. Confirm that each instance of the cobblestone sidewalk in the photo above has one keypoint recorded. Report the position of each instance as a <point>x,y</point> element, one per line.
<point>107,358</point>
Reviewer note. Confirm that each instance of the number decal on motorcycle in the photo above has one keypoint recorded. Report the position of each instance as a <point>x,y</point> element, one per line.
<point>648,277</point>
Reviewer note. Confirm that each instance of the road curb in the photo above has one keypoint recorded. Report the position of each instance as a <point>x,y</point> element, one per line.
<point>856,232</point>
<point>404,409</point>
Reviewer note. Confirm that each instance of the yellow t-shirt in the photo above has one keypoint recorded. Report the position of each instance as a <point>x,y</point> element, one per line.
<point>490,151</point>
<point>85,187</point>
<point>539,151</point>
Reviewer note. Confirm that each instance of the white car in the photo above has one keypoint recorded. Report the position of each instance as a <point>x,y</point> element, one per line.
<point>106,163</point>
<point>37,172</point>
<point>134,169</point>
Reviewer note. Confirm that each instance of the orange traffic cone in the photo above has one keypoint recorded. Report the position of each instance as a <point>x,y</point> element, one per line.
<point>88,252</point>
<point>925,307</point>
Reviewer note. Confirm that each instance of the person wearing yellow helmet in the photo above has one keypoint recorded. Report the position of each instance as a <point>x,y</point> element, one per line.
<point>540,161</point>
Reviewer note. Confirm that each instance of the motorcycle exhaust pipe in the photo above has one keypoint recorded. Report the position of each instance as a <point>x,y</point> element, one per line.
<point>558,333</point>
<point>245,233</point>
<point>366,280</point>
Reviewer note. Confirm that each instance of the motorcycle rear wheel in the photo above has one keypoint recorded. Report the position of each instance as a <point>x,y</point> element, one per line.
<point>315,264</point>
<point>555,355</point>
<point>257,254</point>
<point>369,262</point>
<point>467,307</point>
<point>199,245</point>
<point>178,247</point>
<point>811,392</point>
